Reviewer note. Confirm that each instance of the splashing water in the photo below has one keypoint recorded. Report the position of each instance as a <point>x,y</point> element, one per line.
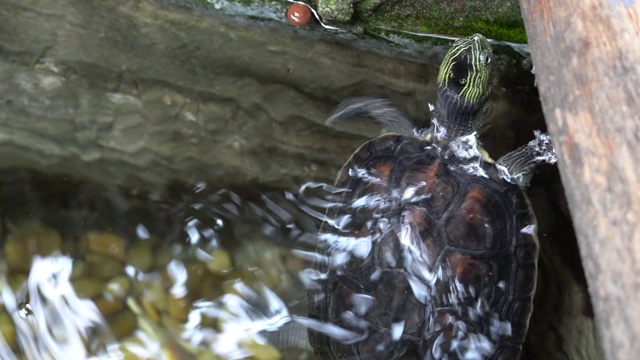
<point>466,149</point>
<point>56,323</point>
<point>244,316</point>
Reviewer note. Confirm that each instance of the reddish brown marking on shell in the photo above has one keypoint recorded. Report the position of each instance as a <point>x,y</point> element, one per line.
<point>463,266</point>
<point>381,173</point>
<point>431,175</point>
<point>362,233</point>
<point>383,169</point>
<point>473,205</point>
<point>298,15</point>
<point>415,216</point>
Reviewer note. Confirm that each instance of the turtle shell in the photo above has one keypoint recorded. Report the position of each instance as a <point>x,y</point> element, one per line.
<point>423,260</point>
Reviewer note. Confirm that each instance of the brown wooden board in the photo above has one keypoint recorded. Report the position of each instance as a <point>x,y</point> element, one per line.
<point>586,55</point>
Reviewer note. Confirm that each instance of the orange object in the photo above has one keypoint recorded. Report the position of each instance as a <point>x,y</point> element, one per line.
<point>298,15</point>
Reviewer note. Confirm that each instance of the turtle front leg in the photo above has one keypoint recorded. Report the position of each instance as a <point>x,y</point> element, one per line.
<point>517,166</point>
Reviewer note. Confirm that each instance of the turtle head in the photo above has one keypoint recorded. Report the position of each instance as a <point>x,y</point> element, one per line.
<point>464,83</point>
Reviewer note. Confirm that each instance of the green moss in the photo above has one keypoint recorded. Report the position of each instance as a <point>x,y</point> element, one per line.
<point>492,19</point>
<point>198,2</point>
<point>369,5</point>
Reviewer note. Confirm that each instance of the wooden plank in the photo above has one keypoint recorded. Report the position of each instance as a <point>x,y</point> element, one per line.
<point>586,55</point>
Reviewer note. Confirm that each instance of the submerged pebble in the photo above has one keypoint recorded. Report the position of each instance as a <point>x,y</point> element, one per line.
<point>28,240</point>
<point>219,262</point>
<point>103,266</point>
<point>88,287</point>
<point>118,286</point>
<point>106,243</point>
<point>123,324</point>
<point>7,330</point>
<point>261,351</point>
<point>140,255</point>
<point>108,305</point>
<point>178,308</point>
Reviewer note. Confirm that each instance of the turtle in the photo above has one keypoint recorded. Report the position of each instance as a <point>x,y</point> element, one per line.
<point>429,250</point>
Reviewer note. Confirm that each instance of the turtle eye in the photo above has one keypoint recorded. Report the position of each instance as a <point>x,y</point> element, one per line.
<point>485,59</point>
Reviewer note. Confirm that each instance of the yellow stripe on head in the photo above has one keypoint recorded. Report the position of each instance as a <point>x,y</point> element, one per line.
<point>466,70</point>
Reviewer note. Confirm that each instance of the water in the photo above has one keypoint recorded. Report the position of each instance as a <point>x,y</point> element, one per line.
<point>189,270</point>
<point>125,280</point>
